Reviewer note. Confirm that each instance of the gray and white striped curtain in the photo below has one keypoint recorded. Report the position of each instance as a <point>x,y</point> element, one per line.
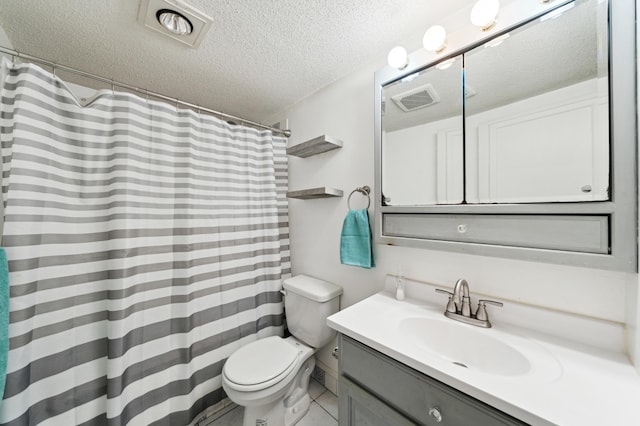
<point>145,244</point>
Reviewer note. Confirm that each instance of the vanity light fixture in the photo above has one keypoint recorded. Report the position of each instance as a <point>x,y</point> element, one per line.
<point>174,22</point>
<point>484,13</point>
<point>435,39</point>
<point>398,58</point>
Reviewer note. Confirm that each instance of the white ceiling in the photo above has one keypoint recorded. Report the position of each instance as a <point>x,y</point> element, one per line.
<point>259,57</point>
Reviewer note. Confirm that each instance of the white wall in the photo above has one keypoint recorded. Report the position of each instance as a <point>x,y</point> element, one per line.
<point>345,110</point>
<point>4,40</point>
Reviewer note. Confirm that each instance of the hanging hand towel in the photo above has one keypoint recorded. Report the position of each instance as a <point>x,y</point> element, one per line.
<point>355,240</point>
<point>4,318</point>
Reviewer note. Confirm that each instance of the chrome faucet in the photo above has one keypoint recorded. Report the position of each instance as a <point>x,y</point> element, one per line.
<point>459,306</point>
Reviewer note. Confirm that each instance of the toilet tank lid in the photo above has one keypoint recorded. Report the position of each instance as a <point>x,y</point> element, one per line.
<point>312,288</point>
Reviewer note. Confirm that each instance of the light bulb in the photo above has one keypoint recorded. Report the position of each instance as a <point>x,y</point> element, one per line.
<point>484,13</point>
<point>398,58</point>
<point>435,39</point>
<point>174,22</point>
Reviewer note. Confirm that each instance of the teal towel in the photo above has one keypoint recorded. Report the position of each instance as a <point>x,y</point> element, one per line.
<point>355,240</point>
<point>4,319</point>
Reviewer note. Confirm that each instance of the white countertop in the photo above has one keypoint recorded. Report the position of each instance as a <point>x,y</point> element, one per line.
<point>569,383</point>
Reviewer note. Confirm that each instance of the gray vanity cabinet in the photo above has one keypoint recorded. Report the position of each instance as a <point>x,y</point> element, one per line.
<point>379,391</point>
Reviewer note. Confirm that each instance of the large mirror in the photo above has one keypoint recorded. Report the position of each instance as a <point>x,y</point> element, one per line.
<point>535,118</point>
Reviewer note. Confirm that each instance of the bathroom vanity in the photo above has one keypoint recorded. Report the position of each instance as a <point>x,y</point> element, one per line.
<point>404,362</point>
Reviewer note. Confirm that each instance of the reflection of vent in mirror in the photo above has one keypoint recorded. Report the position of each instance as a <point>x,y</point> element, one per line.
<point>417,98</point>
<point>383,105</point>
<point>469,91</point>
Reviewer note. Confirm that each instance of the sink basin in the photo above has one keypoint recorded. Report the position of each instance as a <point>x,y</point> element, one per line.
<point>465,346</point>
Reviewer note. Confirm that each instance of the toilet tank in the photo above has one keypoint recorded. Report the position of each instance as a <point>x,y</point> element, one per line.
<point>308,302</point>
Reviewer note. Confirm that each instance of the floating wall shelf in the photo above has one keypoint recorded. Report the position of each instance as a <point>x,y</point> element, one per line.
<point>310,194</point>
<point>314,146</point>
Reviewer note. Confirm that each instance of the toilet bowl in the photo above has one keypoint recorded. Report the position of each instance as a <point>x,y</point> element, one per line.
<point>270,376</point>
<point>281,380</point>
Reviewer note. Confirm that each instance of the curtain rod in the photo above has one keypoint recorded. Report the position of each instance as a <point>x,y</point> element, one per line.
<point>12,52</point>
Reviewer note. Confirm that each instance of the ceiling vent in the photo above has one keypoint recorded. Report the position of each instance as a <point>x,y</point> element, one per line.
<point>195,22</point>
<point>420,97</point>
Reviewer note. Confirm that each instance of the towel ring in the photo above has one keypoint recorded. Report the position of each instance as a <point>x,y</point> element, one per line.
<point>364,190</point>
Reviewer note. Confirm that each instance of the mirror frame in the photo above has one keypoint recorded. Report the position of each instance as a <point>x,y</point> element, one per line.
<point>620,211</point>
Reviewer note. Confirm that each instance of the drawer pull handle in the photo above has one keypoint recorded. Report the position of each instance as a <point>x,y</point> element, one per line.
<point>462,228</point>
<point>435,413</point>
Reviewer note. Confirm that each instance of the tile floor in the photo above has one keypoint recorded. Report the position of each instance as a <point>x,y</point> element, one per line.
<point>322,412</point>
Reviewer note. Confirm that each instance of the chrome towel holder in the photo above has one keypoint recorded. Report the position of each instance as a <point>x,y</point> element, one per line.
<point>364,190</point>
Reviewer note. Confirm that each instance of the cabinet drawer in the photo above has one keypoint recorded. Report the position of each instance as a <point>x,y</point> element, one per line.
<point>410,392</point>
<point>588,234</point>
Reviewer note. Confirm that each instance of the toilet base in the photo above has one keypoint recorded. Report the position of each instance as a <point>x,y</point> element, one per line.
<point>264,415</point>
<point>287,411</point>
<point>293,414</point>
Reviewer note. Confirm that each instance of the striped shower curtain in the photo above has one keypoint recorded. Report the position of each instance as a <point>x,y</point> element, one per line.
<point>145,244</point>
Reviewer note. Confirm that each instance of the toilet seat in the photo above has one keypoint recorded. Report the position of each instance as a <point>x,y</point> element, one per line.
<point>260,364</point>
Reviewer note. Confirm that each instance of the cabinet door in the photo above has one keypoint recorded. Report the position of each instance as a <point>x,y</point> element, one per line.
<point>409,393</point>
<point>360,408</point>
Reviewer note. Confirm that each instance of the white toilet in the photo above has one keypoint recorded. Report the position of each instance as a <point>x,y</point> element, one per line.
<point>270,377</point>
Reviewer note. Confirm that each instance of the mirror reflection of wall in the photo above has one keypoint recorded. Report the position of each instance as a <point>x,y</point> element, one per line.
<point>422,137</point>
<point>537,128</point>
<point>536,119</point>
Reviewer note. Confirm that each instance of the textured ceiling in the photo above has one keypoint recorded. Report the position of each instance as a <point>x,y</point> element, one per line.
<point>258,58</point>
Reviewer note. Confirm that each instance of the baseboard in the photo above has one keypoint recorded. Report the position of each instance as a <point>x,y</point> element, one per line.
<point>328,377</point>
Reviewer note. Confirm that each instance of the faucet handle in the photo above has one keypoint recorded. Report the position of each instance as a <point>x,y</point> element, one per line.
<point>451,306</point>
<point>491,302</point>
<point>481,314</point>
